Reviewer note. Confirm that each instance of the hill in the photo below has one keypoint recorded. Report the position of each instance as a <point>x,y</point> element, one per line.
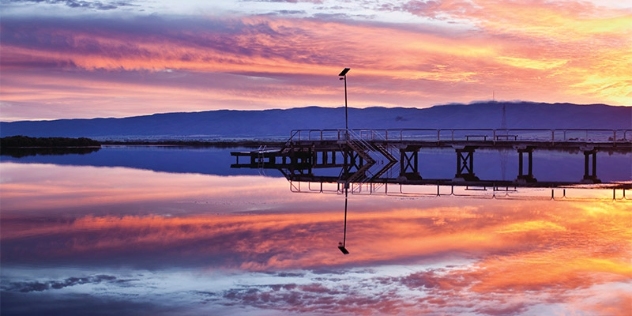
<point>223,124</point>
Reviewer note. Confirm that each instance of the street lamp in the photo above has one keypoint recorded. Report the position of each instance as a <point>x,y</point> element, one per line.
<point>342,245</point>
<point>343,76</point>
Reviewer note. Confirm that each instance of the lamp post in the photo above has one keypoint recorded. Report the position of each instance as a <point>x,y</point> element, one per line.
<point>343,77</point>
<point>342,245</point>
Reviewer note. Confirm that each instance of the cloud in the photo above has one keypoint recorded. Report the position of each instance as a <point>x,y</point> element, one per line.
<point>290,12</point>
<point>39,286</point>
<point>616,302</point>
<point>75,305</point>
<point>438,9</point>
<point>287,1</point>
<point>510,309</point>
<point>280,62</point>
<point>79,4</point>
<point>312,298</point>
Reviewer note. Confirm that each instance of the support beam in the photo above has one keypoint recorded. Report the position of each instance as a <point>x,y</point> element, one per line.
<point>528,176</point>
<point>353,162</point>
<point>590,174</point>
<point>409,165</point>
<point>465,164</point>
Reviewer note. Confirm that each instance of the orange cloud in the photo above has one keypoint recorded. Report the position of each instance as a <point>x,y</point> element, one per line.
<point>577,46</point>
<point>571,53</point>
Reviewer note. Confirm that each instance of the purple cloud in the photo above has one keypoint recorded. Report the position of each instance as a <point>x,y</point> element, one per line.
<point>80,4</point>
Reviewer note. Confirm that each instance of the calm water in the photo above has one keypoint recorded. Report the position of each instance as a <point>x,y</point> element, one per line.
<point>157,231</point>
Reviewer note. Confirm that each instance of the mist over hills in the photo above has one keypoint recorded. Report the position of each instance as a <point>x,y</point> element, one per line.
<point>261,124</point>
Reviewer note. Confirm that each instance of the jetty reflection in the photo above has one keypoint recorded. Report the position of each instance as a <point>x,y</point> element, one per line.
<point>371,163</point>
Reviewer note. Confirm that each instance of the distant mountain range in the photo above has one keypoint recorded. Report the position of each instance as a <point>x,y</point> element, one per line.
<point>265,124</point>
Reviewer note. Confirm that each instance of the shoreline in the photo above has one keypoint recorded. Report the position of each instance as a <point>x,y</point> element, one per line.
<point>217,144</point>
<point>44,143</point>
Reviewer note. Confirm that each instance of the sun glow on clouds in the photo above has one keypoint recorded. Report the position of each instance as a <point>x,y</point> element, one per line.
<point>563,51</point>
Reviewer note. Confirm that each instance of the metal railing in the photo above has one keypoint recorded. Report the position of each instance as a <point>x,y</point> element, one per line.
<point>613,136</point>
<point>489,192</point>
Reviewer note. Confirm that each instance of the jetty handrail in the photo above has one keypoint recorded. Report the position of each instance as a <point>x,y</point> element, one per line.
<point>594,135</point>
<point>320,134</point>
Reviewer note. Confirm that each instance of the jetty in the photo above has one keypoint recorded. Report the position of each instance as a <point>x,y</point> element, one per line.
<point>392,156</point>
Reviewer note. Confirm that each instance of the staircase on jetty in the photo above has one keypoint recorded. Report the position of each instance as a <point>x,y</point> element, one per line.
<point>392,156</point>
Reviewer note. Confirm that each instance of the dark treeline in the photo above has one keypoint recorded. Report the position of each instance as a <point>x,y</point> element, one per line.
<point>46,142</point>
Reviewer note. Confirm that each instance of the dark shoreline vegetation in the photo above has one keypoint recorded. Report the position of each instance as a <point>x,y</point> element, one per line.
<point>47,142</point>
<point>22,146</point>
<point>23,142</point>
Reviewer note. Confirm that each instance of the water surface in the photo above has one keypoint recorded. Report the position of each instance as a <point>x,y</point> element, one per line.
<point>87,235</point>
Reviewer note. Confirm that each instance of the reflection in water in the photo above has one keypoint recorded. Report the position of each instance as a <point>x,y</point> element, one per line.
<point>343,245</point>
<point>48,151</point>
<point>76,240</point>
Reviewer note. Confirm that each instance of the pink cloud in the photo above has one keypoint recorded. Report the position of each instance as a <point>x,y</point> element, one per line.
<point>271,62</point>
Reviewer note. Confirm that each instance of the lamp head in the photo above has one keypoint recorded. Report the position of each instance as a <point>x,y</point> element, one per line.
<point>343,249</point>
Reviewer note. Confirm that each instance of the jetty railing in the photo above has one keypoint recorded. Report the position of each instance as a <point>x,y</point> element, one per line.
<point>614,136</point>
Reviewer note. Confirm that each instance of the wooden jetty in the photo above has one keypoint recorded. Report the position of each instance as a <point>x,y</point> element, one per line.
<point>392,156</point>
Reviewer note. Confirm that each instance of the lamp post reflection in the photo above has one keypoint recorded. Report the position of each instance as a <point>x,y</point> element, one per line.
<point>342,245</point>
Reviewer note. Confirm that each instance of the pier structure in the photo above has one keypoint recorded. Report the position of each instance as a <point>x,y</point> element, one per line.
<point>380,157</point>
<point>526,177</point>
<point>465,164</point>
<point>590,169</point>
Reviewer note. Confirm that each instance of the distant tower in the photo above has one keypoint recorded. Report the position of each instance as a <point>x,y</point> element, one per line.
<point>503,120</point>
<point>503,152</point>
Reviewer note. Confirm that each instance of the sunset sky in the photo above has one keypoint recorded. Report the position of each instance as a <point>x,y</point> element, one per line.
<point>85,59</point>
